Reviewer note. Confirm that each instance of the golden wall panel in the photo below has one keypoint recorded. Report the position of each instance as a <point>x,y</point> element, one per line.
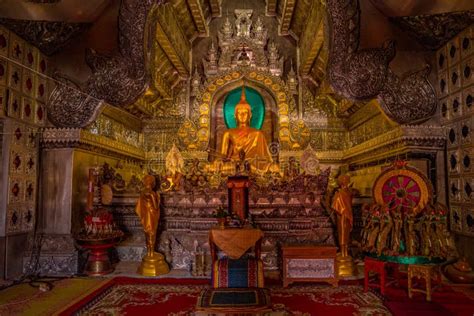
<point>467,42</point>
<point>454,161</point>
<point>453,51</point>
<point>22,175</point>
<point>468,100</point>
<point>467,72</point>
<point>16,48</point>
<point>14,76</point>
<point>456,113</point>
<point>456,219</point>
<point>455,78</point>
<point>442,59</point>
<point>3,72</point>
<point>14,104</point>
<point>465,128</point>
<point>442,84</point>
<point>452,136</point>
<point>468,220</point>
<point>455,106</point>
<point>444,114</point>
<point>19,79</point>
<point>3,102</point>
<point>4,41</point>
<point>28,82</point>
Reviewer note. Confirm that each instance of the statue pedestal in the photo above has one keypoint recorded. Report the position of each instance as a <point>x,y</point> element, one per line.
<point>153,265</point>
<point>345,266</point>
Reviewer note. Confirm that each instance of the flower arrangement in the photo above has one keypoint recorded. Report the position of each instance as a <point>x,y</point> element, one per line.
<point>99,224</point>
<point>221,212</point>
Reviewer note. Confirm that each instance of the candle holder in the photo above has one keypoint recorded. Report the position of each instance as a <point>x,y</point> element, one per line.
<point>199,268</point>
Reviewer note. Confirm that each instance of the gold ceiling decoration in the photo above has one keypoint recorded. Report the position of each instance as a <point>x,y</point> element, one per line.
<point>286,16</point>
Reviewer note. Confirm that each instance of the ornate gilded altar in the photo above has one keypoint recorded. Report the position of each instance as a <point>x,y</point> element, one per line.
<point>285,210</point>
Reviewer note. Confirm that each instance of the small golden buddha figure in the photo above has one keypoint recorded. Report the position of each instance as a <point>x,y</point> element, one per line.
<point>174,168</point>
<point>246,139</point>
<point>342,206</point>
<point>148,210</point>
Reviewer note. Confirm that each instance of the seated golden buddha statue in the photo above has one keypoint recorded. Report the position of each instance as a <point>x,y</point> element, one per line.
<point>245,140</point>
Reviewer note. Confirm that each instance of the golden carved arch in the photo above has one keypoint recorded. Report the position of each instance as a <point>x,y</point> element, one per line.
<point>210,92</point>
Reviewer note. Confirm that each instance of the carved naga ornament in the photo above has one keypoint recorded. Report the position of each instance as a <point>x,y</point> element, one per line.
<point>119,79</point>
<point>363,74</point>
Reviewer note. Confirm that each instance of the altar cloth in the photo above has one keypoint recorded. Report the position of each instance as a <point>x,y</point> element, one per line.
<point>234,242</point>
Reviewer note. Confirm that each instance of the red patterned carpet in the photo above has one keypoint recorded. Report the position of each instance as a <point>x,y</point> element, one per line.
<point>445,301</point>
<point>128,296</point>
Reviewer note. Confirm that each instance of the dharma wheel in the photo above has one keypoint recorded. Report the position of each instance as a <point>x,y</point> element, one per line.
<point>403,187</point>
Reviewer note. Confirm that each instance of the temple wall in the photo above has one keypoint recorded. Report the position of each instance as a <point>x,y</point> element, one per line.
<point>67,156</point>
<point>23,91</point>
<point>455,87</point>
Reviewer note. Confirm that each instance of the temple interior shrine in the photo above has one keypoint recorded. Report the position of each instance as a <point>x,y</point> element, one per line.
<point>237,157</point>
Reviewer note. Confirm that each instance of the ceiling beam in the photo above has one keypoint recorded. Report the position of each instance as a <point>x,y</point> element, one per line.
<point>198,16</point>
<point>271,7</point>
<point>312,40</point>
<point>162,86</point>
<point>286,16</point>
<point>216,8</point>
<point>172,39</point>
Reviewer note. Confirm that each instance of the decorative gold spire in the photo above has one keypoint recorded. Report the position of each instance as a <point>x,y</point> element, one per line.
<point>243,101</point>
<point>242,95</point>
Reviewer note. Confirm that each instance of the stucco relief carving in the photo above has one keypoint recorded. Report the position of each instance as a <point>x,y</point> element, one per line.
<point>409,99</point>
<point>48,36</point>
<point>68,106</point>
<point>119,79</point>
<point>364,74</point>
